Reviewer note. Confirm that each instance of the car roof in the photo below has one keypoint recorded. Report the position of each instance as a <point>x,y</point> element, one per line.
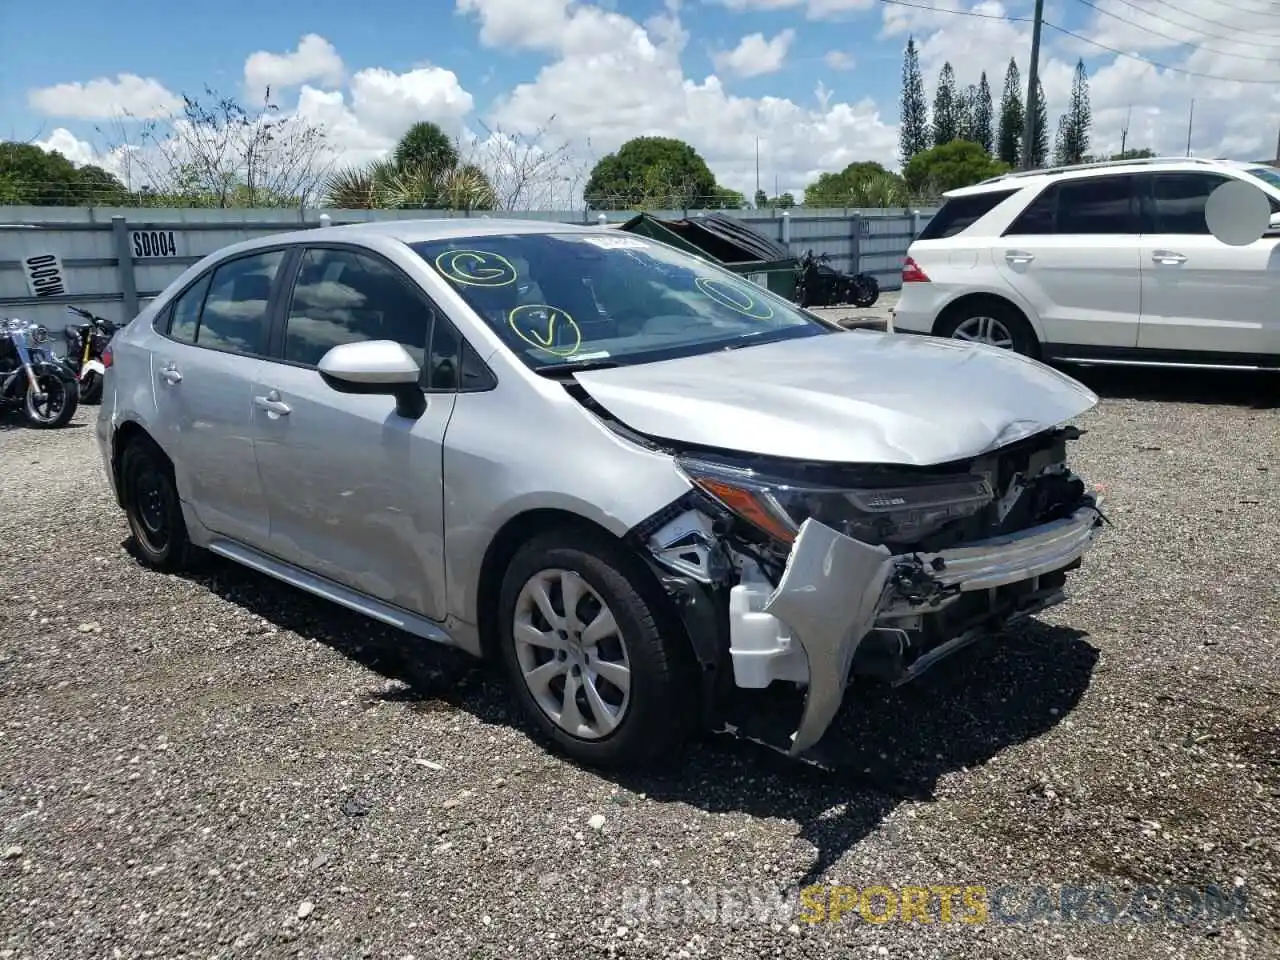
<point>413,231</point>
<point>1019,179</point>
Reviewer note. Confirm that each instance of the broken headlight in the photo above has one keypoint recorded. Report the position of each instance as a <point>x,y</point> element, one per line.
<point>872,514</point>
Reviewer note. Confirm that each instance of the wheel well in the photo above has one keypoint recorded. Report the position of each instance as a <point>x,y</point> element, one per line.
<point>975,300</point>
<point>127,433</point>
<point>524,527</point>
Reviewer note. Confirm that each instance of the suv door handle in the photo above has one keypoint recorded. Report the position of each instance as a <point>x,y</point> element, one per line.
<point>1018,256</point>
<point>272,403</point>
<point>171,373</point>
<point>1168,258</point>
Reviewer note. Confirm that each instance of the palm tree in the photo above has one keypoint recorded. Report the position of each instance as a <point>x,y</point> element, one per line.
<point>423,172</point>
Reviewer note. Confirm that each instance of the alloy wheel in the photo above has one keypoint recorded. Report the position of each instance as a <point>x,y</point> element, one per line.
<point>986,330</point>
<point>571,654</point>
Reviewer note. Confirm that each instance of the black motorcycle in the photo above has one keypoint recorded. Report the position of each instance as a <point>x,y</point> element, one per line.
<point>818,284</point>
<point>85,343</point>
<point>31,378</point>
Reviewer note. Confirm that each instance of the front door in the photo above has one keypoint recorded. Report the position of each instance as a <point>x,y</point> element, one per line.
<point>204,366</point>
<point>1199,295</point>
<point>354,491</point>
<point>1073,254</point>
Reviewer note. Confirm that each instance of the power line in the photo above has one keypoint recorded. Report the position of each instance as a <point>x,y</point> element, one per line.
<point>1154,63</point>
<point>1165,36</point>
<point>1200,30</point>
<point>1251,11</point>
<point>957,13</point>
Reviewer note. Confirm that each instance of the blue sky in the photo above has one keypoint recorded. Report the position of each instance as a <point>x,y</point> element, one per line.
<point>607,69</point>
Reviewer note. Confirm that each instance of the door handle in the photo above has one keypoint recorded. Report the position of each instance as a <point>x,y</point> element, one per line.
<point>272,403</point>
<point>1168,258</point>
<point>171,374</point>
<point>1018,256</point>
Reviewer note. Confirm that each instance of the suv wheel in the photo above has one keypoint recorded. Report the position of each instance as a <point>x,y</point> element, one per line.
<point>993,323</point>
<point>585,654</point>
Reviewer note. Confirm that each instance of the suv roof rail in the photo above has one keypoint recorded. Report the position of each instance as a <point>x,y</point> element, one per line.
<point>1097,165</point>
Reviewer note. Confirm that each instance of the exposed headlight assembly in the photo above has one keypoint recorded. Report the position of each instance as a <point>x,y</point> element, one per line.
<point>874,515</point>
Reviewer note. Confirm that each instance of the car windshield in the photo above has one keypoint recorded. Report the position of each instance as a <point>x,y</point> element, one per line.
<point>570,298</point>
<point>1266,174</point>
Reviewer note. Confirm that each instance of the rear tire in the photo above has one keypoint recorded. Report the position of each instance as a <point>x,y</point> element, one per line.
<point>153,509</point>
<point>599,676</point>
<point>993,322</point>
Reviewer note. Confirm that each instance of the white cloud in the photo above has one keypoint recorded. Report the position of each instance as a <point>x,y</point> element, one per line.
<point>839,60</point>
<point>314,60</point>
<point>104,98</point>
<point>63,141</point>
<point>814,9</point>
<point>387,103</point>
<point>754,56</point>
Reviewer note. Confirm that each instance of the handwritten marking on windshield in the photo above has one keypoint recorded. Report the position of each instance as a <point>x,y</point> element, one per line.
<point>736,297</point>
<point>477,268</point>
<point>546,328</point>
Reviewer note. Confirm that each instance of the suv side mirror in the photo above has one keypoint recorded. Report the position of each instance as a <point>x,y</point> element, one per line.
<point>376,367</point>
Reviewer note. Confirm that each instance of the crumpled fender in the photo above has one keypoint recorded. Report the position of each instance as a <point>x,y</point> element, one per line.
<point>92,366</point>
<point>829,595</point>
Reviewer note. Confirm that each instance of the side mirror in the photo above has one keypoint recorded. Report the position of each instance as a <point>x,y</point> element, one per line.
<point>377,367</point>
<point>1238,213</point>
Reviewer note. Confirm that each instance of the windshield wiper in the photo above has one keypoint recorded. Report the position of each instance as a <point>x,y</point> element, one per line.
<point>552,369</point>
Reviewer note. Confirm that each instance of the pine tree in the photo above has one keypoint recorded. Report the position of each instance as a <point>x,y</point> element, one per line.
<point>1061,142</point>
<point>946,108</point>
<point>1075,124</point>
<point>913,135</point>
<point>1040,141</point>
<point>982,110</point>
<point>1008,144</point>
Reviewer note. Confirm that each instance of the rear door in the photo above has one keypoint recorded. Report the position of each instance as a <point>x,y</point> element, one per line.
<point>203,367</point>
<point>355,491</point>
<point>1199,295</point>
<point>1073,254</point>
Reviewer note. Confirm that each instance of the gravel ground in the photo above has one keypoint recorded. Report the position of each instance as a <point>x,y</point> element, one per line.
<point>220,766</point>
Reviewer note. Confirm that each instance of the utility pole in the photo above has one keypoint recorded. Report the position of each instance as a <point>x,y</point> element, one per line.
<point>757,167</point>
<point>1190,116</point>
<point>1033,76</point>
<point>1124,134</point>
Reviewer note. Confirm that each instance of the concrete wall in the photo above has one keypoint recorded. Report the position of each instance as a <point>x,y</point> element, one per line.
<point>114,260</point>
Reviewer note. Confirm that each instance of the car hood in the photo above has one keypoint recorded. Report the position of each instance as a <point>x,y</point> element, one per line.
<point>854,397</point>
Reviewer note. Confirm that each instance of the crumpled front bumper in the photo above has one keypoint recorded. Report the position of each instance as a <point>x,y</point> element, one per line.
<point>835,589</point>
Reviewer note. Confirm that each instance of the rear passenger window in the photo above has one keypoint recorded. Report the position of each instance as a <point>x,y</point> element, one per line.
<point>1178,201</point>
<point>346,297</point>
<point>1093,205</point>
<point>235,312</point>
<point>960,213</point>
<point>186,311</point>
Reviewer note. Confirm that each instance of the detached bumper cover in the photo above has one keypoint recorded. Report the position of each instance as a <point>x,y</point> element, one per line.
<point>835,588</point>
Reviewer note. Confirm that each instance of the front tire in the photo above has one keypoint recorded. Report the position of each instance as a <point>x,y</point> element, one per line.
<point>153,509</point>
<point>586,654</point>
<point>91,388</point>
<point>55,404</point>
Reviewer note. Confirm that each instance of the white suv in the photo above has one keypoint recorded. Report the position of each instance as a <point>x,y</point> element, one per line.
<point>1099,263</point>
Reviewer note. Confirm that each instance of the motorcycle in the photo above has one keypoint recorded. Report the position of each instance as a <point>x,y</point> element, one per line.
<point>32,379</point>
<point>821,285</point>
<point>85,343</point>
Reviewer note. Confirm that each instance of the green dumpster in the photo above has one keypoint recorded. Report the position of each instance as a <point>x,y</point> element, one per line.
<point>728,242</point>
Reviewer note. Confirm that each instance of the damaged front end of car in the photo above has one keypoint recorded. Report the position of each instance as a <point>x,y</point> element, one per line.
<point>812,574</point>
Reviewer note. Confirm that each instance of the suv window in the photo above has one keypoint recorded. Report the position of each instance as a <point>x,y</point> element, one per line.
<point>342,296</point>
<point>186,311</point>
<point>1177,202</point>
<point>234,317</point>
<point>960,213</point>
<point>1090,205</point>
